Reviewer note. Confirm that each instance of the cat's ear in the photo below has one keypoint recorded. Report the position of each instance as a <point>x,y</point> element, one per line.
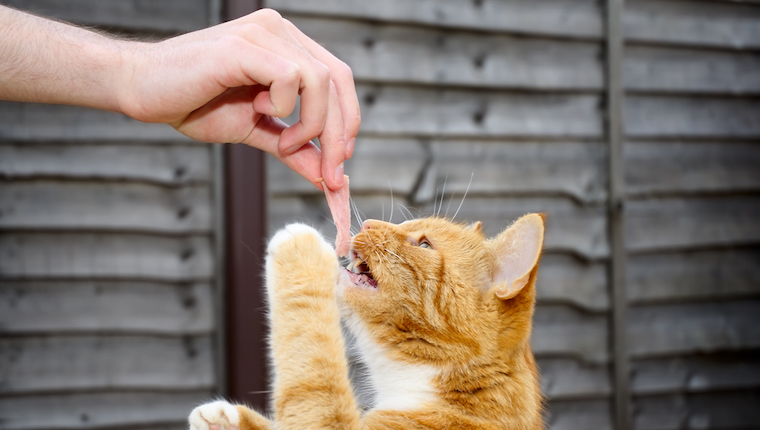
<point>516,251</point>
<point>477,227</point>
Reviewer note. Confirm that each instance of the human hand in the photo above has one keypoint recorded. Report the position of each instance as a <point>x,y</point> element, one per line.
<point>230,83</point>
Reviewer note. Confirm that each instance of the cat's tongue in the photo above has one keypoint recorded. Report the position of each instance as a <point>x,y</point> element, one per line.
<point>338,202</point>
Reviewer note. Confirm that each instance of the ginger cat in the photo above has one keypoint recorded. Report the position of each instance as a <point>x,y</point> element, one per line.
<point>441,316</point>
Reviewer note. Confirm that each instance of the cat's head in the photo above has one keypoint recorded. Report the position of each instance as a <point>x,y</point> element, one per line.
<point>434,291</point>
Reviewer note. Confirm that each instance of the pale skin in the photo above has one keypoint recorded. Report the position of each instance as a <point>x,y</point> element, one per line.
<point>224,84</point>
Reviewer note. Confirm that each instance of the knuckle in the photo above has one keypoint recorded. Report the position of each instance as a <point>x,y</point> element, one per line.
<point>269,15</point>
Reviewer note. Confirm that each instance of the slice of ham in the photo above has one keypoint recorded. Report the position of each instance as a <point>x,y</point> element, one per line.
<point>338,202</point>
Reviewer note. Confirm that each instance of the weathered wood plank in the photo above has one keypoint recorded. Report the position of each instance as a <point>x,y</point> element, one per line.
<point>164,15</point>
<point>77,363</point>
<point>32,121</point>
<point>698,275</point>
<point>704,117</point>
<point>695,374</point>
<point>395,53</point>
<point>701,23</point>
<point>162,164</point>
<point>565,279</point>
<point>118,256</point>
<point>724,410</point>
<point>97,410</point>
<point>118,206</point>
<point>90,306</point>
<point>424,111</point>
<point>690,328</point>
<point>679,70</point>
<point>562,331</point>
<point>563,378</point>
<point>683,223</point>
<point>682,167</point>
<point>550,17</point>
<point>579,415</point>
<point>378,165</point>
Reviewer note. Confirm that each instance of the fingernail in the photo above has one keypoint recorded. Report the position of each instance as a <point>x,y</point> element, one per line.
<point>339,174</point>
<point>292,150</point>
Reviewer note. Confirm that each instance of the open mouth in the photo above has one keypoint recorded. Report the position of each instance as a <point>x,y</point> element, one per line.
<point>360,272</point>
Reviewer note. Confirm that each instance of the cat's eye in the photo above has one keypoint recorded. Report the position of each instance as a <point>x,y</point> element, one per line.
<point>425,244</point>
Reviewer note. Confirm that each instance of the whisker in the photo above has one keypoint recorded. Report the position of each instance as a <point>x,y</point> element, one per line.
<point>464,196</point>
<point>443,195</point>
<point>390,218</point>
<point>394,254</point>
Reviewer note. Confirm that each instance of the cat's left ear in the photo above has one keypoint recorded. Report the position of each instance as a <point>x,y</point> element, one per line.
<point>516,251</point>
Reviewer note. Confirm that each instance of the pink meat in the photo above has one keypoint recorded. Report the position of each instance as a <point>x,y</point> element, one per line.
<point>338,202</point>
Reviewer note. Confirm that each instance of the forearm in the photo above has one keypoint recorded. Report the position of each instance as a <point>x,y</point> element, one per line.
<point>50,62</point>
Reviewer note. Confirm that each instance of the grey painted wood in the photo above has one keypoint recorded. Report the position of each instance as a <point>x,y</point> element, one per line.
<point>703,117</point>
<point>680,70</point>
<point>87,363</point>
<point>164,15</point>
<point>684,223</point>
<point>579,415</point>
<point>552,17</point>
<point>115,206</point>
<point>562,331</point>
<point>697,275</point>
<point>99,409</point>
<point>721,410</point>
<point>443,112</point>
<point>92,306</point>
<point>563,378</point>
<point>164,164</point>
<point>692,328</point>
<point>699,23</point>
<point>690,167</point>
<point>696,374</point>
<point>394,53</point>
<point>565,279</point>
<point>105,256</point>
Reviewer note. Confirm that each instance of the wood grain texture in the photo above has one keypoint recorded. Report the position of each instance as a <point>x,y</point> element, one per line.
<point>721,410</point>
<point>99,409</point>
<point>563,378</point>
<point>579,414</point>
<point>687,223</point>
<point>164,15</point>
<point>729,25</point>
<point>105,256</point>
<point>693,328</point>
<point>562,331</point>
<point>161,164</point>
<point>108,206</point>
<point>396,53</point>
<point>566,279</point>
<point>118,363</point>
<point>549,17</point>
<point>692,276</point>
<point>684,167</point>
<point>111,306</point>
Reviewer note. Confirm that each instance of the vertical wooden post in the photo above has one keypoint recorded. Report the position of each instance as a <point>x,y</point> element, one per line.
<point>246,227</point>
<point>616,207</point>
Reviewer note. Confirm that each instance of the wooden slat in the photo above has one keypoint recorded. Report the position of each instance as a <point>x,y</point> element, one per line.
<point>31,121</point>
<point>703,117</point>
<point>393,53</point>
<point>684,223</point>
<point>683,167</point>
<point>98,410</point>
<point>690,328</point>
<point>562,331</point>
<point>565,279</point>
<point>725,410</point>
<point>698,275</point>
<point>77,363</point>
<point>89,306</point>
<point>118,206</point>
<point>422,112</point>
<point>162,164</point>
<point>579,415</point>
<point>120,256</point>
<point>550,17</point>
<point>700,23</point>
<point>672,70</point>
<point>164,15</point>
<point>695,374</point>
<point>378,165</point>
<point>563,378</point>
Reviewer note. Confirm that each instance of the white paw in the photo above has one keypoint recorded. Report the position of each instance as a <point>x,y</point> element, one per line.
<point>292,230</point>
<point>219,412</point>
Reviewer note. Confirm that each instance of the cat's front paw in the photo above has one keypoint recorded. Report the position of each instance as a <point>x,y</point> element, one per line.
<point>220,412</point>
<point>302,233</point>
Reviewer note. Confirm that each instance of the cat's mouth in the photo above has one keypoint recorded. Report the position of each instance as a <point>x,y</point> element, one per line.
<point>360,272</point>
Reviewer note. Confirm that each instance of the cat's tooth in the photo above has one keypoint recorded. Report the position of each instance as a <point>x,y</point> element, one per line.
<point>355,265</point>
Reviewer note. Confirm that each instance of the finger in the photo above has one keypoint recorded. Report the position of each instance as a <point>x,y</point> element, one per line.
<point>333,143</point>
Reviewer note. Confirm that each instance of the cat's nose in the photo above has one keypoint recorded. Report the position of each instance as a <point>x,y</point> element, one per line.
<point>370,224</point>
